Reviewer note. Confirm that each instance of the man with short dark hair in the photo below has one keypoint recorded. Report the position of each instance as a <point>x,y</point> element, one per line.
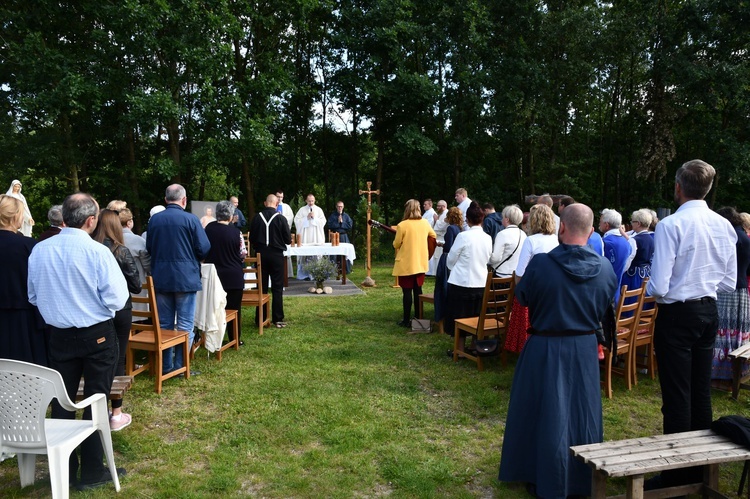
<point>555,399</point>
<point>238,220</point>
<point>463,200</point>
<point>341,223</point>
<point>694,258</point>
<point>78,286</point>
<point>177,244</point>
<point>493,222</point>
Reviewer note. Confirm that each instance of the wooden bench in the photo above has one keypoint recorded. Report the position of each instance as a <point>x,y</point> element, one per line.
<point>739,357</point>
<point>120,385</point>
<point>635,457</point>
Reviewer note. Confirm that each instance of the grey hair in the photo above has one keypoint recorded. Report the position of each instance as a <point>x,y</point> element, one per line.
<point>642,216</point>
<point>55,216</point>
<point>77,208</point>
<point>175,193</point>
<point>224,211</point>
<point>513,213</point>
<point>612,217</point>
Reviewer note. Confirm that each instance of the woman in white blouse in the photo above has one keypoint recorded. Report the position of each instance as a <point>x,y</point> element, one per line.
<point>467,262</point>
<point>508,242</point>
<point>542,239</point>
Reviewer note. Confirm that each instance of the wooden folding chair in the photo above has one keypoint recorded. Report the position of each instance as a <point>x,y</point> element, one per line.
<point>644,336</point>
<point>626,318</point>
<point>153,339</point>
<point>492,321</point>
<point>253,295</point>
<point>232,317</point>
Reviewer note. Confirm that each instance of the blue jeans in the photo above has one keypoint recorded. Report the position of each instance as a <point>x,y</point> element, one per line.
<point>176,312</point>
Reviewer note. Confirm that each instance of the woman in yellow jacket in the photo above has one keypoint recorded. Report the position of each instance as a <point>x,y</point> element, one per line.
<point>412,259</point>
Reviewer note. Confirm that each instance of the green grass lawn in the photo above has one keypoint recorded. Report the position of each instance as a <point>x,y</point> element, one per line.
<point>342,403</point>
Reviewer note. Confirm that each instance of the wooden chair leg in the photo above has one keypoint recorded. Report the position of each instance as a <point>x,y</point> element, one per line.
<point>456,338</point>
<point>608,374</point>
<point>236,331</point>
<point>736,377</point>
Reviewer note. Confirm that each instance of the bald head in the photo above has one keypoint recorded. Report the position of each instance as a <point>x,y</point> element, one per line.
<point>576,224</point>
<point>271,201</point>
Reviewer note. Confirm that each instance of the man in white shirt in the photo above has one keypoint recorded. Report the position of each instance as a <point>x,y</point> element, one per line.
<point>462,198</point>
<point>429,213</point>
<point>694,258</point>
<point>440,226</point>
<point>309,223</point>
<point>286,212</point>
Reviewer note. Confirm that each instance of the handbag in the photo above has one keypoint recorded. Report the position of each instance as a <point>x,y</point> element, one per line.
<point>423,326</point>
<point>486,348</point>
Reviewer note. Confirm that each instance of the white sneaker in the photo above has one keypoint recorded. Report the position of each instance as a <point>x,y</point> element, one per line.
<point>117,425</point>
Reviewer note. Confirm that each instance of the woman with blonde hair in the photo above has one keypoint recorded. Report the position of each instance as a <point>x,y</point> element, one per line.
<point>22,329</point>
<point>640,266</point>
<point>542,239</point>
<point>412,258</point>
<point>455,221</point>
<point>109,232</point>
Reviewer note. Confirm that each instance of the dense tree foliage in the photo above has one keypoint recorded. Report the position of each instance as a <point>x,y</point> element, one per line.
<point>599,100</point>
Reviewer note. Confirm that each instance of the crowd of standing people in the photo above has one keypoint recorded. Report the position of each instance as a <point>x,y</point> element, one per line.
<point>696,262</point>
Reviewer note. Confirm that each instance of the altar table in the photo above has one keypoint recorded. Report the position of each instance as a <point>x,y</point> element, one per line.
<point>344,250</point>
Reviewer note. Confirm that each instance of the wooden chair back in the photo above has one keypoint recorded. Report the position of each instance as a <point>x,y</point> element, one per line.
<point>149,336</point>
<point>626,319</point>
<point>492,322</point>
<point>644,335</point>
<point>253,295</point>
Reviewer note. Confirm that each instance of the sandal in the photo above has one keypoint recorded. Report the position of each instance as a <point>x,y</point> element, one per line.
<point>280,324</point>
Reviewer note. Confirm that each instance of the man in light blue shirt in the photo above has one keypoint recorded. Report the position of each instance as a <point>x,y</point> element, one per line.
<point>694,257</point>
<point>78,286</point>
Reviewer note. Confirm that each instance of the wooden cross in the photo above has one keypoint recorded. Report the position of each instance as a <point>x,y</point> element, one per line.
<point>369,282</point>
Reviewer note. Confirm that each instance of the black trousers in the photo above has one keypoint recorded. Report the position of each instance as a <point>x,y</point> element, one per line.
<point>234,302</point>
<point>90,352</point>
<point>122,322</point>
<point>684,341</point>
<point>273,266</point>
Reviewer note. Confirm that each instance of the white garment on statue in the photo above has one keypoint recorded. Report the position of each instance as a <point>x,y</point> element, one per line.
<point>463,207</point>
<point>311,231</point>
<point>26,224</point>
<point>429,216</point>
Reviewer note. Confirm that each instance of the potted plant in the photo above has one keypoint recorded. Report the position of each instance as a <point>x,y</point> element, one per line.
<point>320,269</point>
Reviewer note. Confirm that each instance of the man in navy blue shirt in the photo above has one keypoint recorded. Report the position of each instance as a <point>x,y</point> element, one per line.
<point>177,244</point>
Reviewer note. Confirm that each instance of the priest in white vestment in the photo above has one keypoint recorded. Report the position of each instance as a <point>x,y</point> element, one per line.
<point>309,223</point>
<point>440,226</point>
<point>286,212</point>
<point>429,213</point>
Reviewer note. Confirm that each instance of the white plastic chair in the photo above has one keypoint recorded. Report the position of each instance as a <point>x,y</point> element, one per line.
<point>26,391</point>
